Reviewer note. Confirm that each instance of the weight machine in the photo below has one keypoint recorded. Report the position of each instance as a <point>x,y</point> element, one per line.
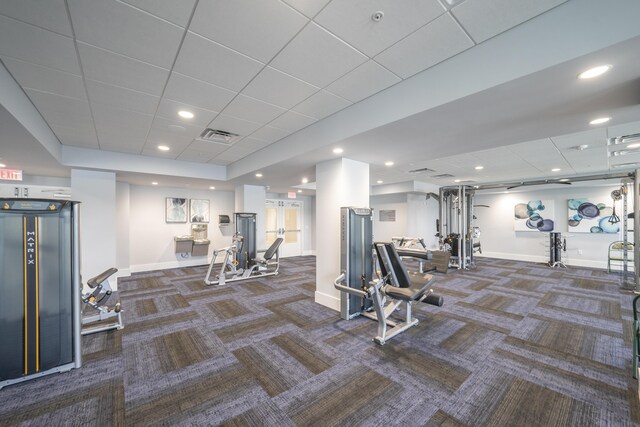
<point>455,226</point>
<point>40,288</point>
<point>240,261</point>
<point>376,299</point>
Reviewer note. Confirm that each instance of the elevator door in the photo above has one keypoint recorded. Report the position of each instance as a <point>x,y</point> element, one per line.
<point>284,219</point>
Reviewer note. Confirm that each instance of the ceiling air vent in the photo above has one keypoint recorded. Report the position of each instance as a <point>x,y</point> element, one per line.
<point>467,181</point>
<point>625,139</point>
<point>423,170</point>
<point>443,175</point>
<point>218,136</point>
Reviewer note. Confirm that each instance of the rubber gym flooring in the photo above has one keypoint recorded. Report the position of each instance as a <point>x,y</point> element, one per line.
<point>516,344</point>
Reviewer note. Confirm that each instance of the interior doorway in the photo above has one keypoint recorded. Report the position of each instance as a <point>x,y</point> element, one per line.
<point>284,219</point>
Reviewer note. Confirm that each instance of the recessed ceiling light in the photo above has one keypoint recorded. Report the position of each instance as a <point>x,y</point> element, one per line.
<point>479,168</point>
<point>185,114</point>
<point>506,192</point>
<point>388,163</point>
<point>338,150</point>
<point>555,170</point>
<point>636,145</point>
<point>2,165</point>
<point>212,188</point>
<point>599,120</point>
<point>379,181</point>
<point>457,180</point>
<point>163,148</point>
<point>594,72</point>
<point>258,175</point>
<point>299,191</point>
<point>564,180</point>
<point>154,183</point>
<point>305,180</point>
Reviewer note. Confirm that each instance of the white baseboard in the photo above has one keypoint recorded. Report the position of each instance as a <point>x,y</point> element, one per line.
<point>576,262</point>
<point>329,301</point>
<point>191,262</point>
<point>305,253</point>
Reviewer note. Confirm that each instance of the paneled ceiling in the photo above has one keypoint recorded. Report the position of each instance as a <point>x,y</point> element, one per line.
<point>111,75</point>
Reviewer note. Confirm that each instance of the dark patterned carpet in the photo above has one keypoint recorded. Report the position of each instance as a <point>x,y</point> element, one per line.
<point>516,344</point>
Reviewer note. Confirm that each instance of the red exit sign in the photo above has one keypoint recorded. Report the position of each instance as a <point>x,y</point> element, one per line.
<point>11,174</point>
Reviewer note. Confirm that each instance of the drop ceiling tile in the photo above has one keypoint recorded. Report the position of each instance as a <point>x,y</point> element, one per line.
<point>168,109</point>
<point>484,19</point>
<point>251,109</point>
<point>317,57</point>
<point>177,12</point>
<point>32,76</point>
<point>592,159</point>
<point>213,63</point>
<point>258,29</point>
<point>278,88</point>
<point>321,104</point>
<point>292,121</point>
<point>309,8</point>
<point>60,110</point>
<point>116,141</point>
<point>253,143</point>
<point>176,128</point>
<point>592,138</point>
<point>113,120</point>
<point>137,34</point>
<point>364,81</point>
<point>76,137</point>
<point>123,98</point>
<point>351,21</point>
<point>33,44</point>
<point>119,70</point>
<point>270,134</point>
<point>173,140</point>
<point>190,155</point>
<point>234,125</point>
<point>234,153</point>
<point>151,149</point>
<point>433,43</point>
<point>211,148</point>
<point>50,15</point>
<point>198,93</point>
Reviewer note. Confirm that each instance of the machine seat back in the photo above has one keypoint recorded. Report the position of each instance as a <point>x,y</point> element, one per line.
<point>387,254</point>
<point>269,253</point>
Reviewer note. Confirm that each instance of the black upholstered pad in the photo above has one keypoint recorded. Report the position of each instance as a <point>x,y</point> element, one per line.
<point>414,253</point>
<point>95,281</point>
<point>419,285</point>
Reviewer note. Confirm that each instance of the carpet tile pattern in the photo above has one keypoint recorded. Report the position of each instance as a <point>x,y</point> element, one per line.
<point>515,344</point>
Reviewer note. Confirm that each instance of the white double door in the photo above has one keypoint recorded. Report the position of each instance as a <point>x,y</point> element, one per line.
<point>283,219</point>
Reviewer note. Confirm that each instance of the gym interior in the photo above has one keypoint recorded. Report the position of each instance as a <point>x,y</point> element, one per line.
<point>330,212</point>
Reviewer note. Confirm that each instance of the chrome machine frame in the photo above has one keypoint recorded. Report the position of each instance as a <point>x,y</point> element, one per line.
<point>456,218</point>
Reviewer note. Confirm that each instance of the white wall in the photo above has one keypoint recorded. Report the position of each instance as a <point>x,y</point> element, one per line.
<point>123,211</point>
<point>499,239</point>
<point>151,238</point>
<point>385,230</point>
<point>97,192</point>
<point>415,217</point>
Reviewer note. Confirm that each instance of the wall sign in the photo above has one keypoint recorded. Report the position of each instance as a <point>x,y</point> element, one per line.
<point>388,216</point>
<point>11,174</point>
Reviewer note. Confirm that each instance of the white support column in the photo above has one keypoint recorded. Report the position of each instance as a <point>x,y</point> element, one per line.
<point>98,230</point>
<point>123,243</point>
<point>340,182</point>
<point>252,198</point>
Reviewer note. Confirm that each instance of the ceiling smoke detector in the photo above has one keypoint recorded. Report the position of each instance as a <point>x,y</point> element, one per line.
<point>219,136</point>
<point>377,16</point>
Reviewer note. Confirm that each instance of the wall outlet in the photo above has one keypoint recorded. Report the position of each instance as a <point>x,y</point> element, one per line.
<point>579,251</point>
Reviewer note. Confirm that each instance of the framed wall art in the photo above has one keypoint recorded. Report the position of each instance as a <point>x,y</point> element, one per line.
<point>199,210</point>
<point>176,210</point>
